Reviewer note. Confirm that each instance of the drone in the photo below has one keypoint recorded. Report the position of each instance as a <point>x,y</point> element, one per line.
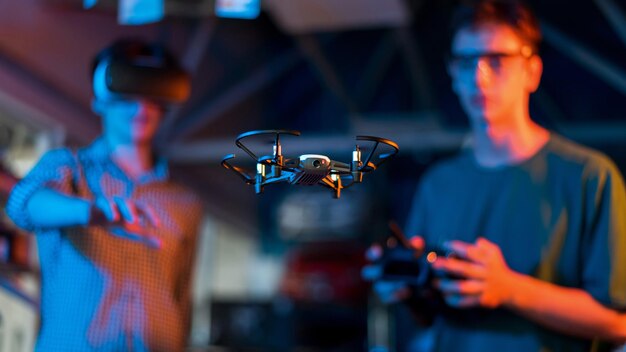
<point>307,169</point>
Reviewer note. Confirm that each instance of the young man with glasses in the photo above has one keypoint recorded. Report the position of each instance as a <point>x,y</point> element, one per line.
<point>536,223</point>
<point>116,237</point>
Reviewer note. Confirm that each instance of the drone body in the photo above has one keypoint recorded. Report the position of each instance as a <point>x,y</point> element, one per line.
<point>307,169</point>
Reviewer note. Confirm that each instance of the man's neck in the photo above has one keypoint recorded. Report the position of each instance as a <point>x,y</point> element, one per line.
<point>135,159</point>
<point>501,145</point>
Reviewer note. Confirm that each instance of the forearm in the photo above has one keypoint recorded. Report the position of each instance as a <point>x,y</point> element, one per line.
<point>568,310</point>
<point>48,208</point>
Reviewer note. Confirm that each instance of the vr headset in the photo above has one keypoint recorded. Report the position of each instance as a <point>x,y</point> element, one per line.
<point>146,77</point>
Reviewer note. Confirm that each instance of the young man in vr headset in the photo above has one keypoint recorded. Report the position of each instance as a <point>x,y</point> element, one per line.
<point>116,237</point>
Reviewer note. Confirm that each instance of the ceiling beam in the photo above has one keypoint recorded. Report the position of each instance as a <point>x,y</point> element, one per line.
<point>420,81</point>
<point>191,60</point>
<point>377,66</point>
<point>27,98</point>
<point>410,140</point>
<point>615,16</point>
<point>610,73</point>
<point>206,113</point>
<point>328,75</point>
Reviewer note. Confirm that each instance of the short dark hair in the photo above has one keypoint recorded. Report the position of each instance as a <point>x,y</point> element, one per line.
<point>515,13</point>
<point>126,50</point>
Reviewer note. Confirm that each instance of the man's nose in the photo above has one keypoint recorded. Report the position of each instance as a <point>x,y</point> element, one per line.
<point>148,107</point>
<point>483,72</point>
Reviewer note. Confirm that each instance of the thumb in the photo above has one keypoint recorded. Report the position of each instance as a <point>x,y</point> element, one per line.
<point>107,208</point>
<point>417,243</point>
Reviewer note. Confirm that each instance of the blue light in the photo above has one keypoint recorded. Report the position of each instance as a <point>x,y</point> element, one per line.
<point>135,12</point>
<point>138,12</point>
<point>89,3</point>
<point>245,9</point>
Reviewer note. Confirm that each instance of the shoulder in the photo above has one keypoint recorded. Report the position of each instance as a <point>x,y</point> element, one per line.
<point>54,161</point>
<point>589,162</point>
<point>59,156</point>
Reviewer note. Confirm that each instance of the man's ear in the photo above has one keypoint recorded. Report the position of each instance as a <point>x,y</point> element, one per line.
<point>535,69</point>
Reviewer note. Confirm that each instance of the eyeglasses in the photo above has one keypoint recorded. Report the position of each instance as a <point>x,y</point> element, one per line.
<point>494,61</point>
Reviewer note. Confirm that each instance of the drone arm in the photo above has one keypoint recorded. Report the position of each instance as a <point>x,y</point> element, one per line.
<point>245,149</point>
<point>276,179</point>
<point>339,167</point>
<point>333,182</point>
<point>239,171</point>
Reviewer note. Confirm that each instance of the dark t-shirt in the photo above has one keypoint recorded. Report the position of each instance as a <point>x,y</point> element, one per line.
<point>559,216</point>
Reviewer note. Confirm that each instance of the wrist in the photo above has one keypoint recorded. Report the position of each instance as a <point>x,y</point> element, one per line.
<point>82,212</point>
<point>515,290</point>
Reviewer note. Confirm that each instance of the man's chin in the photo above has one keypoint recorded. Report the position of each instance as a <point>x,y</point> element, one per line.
<point>483,117</point>
<point>479,118</point>
<point>142,138</point>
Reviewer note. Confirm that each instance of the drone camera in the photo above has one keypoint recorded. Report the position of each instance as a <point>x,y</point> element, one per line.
<point>311,169</point>
<point>314,162</point>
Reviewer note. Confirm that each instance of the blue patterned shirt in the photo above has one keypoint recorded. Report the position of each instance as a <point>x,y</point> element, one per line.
<point>101,292</point>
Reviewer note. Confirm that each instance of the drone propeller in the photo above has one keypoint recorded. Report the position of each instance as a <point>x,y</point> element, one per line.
<point>382,157</point>
<point>238,170</point>
<point>277,146</point>
<point>307,169</point>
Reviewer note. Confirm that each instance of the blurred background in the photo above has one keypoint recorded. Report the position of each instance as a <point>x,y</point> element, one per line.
<point>280,271</point>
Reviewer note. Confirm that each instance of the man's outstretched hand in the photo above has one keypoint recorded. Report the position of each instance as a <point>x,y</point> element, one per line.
<point>126,218</point>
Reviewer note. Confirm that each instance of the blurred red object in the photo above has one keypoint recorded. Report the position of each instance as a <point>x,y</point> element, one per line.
<point>325,272</point>
<point>7,181</point>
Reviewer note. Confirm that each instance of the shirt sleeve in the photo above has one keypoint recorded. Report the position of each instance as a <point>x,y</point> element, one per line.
<point>54,171</point>
<point>604,237</point>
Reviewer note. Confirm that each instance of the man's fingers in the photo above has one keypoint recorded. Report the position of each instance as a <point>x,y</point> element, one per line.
<point>108,208</point>
<point>123,218</point>
<point>460,287</point>
<point>459,248</point>
<point>149,213</point>
<point>150,241</point>
<point>127,209</point>
<point>469,251</point>
<point>461,301</point>
<point>390,292</point>
<point>459,267</point>
<point>371,272</point>
<point>374,252</point>
<point>127,235</point>
<point>417,242</point>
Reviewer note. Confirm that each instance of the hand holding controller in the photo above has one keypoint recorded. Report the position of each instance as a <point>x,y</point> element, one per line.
<point>400,265</point>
